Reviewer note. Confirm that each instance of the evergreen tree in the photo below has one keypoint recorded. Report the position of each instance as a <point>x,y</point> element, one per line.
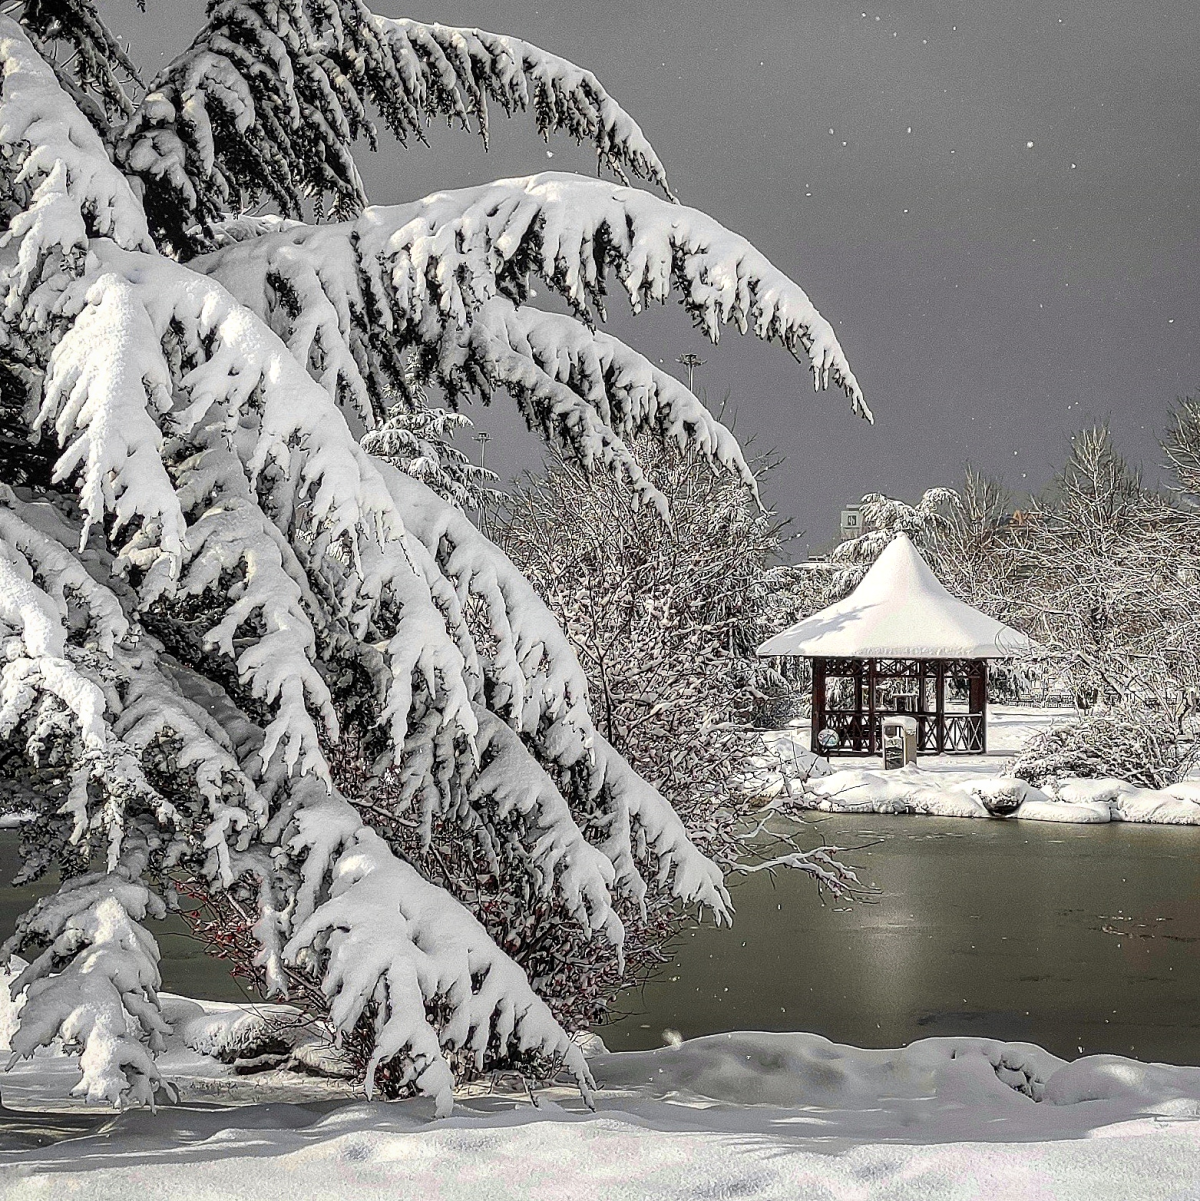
<point>240,652</point>
<point>419,440</point>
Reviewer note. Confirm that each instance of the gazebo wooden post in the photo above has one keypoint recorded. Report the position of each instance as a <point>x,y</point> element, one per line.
<point>870,706</point>
<point>940,701</point>
<point>858,704</point>
<point>818,701</point>
<point>922,701</point>
<point>978,701</point>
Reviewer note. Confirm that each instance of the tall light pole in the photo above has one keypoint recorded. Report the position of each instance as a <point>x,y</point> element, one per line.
<point>691,362</point>
<point>483,438</point>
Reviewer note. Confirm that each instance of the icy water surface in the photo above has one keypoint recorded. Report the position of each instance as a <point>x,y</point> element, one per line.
<point>1075,937</point>
<point>1068,936</point>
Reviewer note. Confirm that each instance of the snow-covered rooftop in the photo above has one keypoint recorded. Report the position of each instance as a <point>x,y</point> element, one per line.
<point>900,610</point>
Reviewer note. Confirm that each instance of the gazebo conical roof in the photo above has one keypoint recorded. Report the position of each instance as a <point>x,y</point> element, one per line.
<point>900,610</point>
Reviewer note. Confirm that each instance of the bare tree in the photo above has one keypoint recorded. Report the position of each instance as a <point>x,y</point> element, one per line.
<point>1101,585</point>
<point>665,621</point>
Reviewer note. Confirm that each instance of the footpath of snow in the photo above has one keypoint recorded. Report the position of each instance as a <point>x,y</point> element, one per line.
<point>966,785</point>
<point>763,1115</point>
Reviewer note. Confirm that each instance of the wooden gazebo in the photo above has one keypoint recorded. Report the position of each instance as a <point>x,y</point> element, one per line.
<point>902,641</point>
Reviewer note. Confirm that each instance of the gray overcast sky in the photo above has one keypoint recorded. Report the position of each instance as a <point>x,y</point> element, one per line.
<point>992,295</point>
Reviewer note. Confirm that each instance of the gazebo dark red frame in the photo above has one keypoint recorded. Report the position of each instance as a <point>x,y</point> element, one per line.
<point>939,732</point>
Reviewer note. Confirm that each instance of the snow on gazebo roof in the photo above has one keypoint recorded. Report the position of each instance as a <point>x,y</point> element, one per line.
<point>900,610</point>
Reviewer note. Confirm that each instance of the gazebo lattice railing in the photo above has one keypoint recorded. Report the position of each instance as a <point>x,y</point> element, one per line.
<point>939,730</point>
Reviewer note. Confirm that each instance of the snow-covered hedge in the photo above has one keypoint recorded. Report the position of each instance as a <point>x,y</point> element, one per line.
<point>1126,743</point>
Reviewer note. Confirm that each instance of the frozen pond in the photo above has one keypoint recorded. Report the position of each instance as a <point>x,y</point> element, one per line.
<point>1073,937</point>
<point>1068,936</point>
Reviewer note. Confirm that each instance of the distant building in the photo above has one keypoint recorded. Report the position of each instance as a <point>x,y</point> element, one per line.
<point>851,524</point>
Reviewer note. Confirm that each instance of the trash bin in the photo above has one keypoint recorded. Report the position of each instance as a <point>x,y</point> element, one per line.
<point>899,741</point>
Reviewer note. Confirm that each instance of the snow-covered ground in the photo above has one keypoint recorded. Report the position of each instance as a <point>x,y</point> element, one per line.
<point>762,1115</point>
<point>968,785</point>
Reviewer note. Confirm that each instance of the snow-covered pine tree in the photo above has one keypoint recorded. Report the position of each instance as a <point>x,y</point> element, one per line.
<point>237,651</point>
<point>419,439</point>
<point>883,517</point>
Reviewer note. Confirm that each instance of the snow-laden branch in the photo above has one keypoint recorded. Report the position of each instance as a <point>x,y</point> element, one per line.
<point>452,70</point>
<point>97,976</point>
<point>72,191</point>
<point>642,824</point>
<point>445,279</point>
<point>454,250</point>
<point>390,943</point>
<point>585,392</point>
<point>268,103</point>
<point>537,673</point>
<point>629,394</point>
<point>512,781</point>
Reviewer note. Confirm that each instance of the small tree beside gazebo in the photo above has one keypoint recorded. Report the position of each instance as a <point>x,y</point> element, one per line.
<point>900,640</point>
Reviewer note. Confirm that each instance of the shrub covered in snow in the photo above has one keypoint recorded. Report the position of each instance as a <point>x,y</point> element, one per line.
<point>1121,744</point>
<point>241,654</point>
<point>664,620</point>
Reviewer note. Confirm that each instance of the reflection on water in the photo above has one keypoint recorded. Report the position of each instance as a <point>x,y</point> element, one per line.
<point>1074,937</point>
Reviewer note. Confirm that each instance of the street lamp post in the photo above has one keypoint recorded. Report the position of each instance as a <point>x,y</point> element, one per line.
<point>483,437</point>
<point>691,362</point>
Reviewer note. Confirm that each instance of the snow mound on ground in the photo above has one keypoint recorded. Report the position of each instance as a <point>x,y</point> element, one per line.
<point>1154,1087</point>
<point>757,1068</point>
<point>773,1116</point>
<point>911,790</point>
<point>228,1032</point>
<point>914,789</point>
<point>1072,812</point>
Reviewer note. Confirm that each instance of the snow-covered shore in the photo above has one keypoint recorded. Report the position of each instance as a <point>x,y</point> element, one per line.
<point>913,789</point>
<point>762,1115</point>
<point>964,785</point>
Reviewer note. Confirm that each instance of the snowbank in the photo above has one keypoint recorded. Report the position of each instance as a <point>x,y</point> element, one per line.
<point>743,1114</point>
<point>914,789</point>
